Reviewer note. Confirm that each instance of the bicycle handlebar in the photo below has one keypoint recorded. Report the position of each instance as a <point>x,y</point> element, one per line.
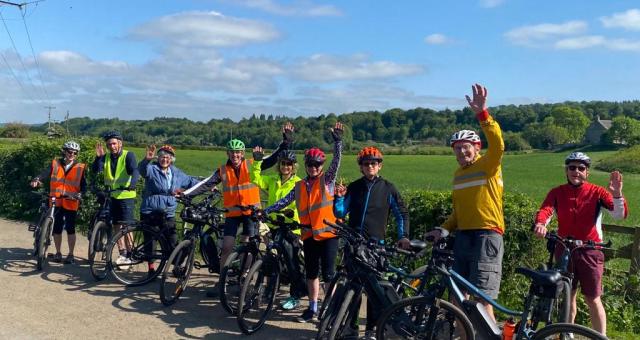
<point>569,242</point>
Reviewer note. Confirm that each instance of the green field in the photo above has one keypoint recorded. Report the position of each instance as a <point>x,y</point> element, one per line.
<point>532,174</point>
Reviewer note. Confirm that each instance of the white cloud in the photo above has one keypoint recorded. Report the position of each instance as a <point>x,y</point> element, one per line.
<point>491,3</point>
<point>537,34</point>
<point>629,20</point>
<point>205,29</point>
<point>68,63</point>
<point>437,39</point>
<point>581,42</point>
<point>624,45</point>
<point>324,68</point>
<point>297,8</point>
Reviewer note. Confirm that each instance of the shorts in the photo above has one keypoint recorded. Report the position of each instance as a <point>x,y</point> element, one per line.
<point>320,252</point>
<point>231,225</point>
<point>478,258</point>
<point>587,266</point>
<point>64,219</point>
<point>122,211</point>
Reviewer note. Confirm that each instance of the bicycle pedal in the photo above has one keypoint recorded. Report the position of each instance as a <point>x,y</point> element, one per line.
<point>32,227</point>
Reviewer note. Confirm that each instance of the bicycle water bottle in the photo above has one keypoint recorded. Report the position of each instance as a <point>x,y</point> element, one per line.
<point>508,330</point>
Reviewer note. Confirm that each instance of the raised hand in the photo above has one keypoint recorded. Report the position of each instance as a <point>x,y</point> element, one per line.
<point>151,152</point>
<point>337,131</point>
<point>615,184</point>
<point>340,190</point>
<point>258,153</point>
<point>287,132</point>
<point>479,101</point>
<point>99,149</point>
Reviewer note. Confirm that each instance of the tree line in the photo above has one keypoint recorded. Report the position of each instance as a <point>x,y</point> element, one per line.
<point>534,125</point>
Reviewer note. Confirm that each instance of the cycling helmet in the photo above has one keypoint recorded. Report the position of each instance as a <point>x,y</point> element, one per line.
<point>369,153</point>
<point>111,134</point>
<point>235,145</point>
<point>167,149</point>
<point>465,135</point>
<point>578,157</point>
<point>314,155</point>
<point>287,155</point>
<point>71,145</point>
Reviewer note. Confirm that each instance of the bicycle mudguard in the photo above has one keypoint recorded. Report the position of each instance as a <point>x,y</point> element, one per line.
<point>485,327</point>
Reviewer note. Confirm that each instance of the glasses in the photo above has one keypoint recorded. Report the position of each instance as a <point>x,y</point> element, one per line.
<point>313,164</point>
<point>71,152</point>
<point>580,168</point>
<point>368,164</point>
<point>285,163</point>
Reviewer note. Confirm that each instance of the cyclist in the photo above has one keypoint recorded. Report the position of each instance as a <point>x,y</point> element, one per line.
<point>163,180</point>
<point>368,202</point>
<point>578,206</point>
<point>120,171</point>
<point>238,190</point>
<point>67,177</point>
<point>477,215</point>
<point>277,186</point>
<point>314,201</point>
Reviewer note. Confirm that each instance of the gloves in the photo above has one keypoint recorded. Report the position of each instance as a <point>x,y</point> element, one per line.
<point>337,134</point>
<point>258,156</point>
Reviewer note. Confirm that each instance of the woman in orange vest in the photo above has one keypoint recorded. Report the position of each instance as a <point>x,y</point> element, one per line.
<point>67,178</point>
<point>314,202</point>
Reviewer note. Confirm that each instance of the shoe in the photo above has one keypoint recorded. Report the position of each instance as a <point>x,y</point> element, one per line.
<point>307,316</point>
<point>213,292</point>
<point>70,259</point>
<point>290,303</point>
<point>123,262</point>
<point>57,258</point>
<point>351,332</point>
<point>370,335</point>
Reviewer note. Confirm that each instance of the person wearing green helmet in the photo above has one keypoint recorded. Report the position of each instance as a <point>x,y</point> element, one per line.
<point>238,191</point>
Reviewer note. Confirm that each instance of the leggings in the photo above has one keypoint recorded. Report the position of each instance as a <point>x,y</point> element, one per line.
<point>317,252</point>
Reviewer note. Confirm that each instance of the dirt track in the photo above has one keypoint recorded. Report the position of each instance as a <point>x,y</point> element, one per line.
<point>64,302</point>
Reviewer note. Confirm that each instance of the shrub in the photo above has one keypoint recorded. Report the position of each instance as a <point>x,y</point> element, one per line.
<point>627,160</point>
<point>514,141</point>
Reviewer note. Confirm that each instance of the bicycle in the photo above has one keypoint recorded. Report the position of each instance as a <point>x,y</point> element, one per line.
<point>181,262</point>
<point>262,283</point>
<point>100,235</point>
<point>43,228</point>
<point>418,317</point>
<point>365,264</point>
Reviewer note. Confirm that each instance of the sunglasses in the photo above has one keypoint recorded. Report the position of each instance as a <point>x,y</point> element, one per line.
<point>314,164</point>
<point>285,163</point>
<point>71,152</point>
<point>580,168</point>
<point>368,164</point>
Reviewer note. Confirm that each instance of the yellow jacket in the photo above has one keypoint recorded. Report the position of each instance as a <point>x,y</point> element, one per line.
<point>478,188</point>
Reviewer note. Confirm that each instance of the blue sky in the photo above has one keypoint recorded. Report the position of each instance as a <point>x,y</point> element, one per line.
<point>205,59</point>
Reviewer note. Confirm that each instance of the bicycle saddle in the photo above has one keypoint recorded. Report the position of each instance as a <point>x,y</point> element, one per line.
<point>417,245</point>
<point>541,277</point>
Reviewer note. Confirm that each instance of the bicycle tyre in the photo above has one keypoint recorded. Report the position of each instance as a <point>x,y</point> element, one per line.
<point>135,272</point>
<point>337,279</point>
<point>331,312</point>
<point>396,322</point>
<point>567,331</point>
<point>179,267</point>
<point>98,245</point>
<point>43,242</point>
<point>258,294</point>
<point>232,276</point>
<point>341,318</point>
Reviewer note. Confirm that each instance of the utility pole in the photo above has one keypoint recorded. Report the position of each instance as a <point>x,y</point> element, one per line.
<point>50,131</point>
<point>66,122</point>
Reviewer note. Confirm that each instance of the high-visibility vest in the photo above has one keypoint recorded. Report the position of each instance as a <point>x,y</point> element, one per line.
<point>238,190</point>
<point>65,183</point>
<point>119,179</point>
<point>314,207</point>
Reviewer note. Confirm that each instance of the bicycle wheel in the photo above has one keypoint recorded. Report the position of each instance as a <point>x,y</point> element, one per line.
<point>341,318</point>
<point>43,242</point>
<point>566,331</point>
<point>232,276</point>
<point>336,281</point>
<point>132,254</point>
<point>257,296</point>
<point>331,310</point>
<point>98,244</point>
<point>177,272</point>
<point>421,317</point>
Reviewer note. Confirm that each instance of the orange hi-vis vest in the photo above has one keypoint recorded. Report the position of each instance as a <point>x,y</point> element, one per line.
<point>314,207</point>
<point>238,190</point>
<point>68,183</point>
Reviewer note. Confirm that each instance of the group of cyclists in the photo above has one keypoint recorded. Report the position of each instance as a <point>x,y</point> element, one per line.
<point>477,217</point>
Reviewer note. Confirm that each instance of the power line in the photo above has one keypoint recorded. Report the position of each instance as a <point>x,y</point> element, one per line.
<point>44,89</point>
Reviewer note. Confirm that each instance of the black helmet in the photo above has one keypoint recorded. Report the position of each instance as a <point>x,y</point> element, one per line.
<point>111,134</point>
<point>287,155</point>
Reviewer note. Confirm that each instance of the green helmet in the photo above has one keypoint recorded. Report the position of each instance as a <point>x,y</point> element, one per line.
<point>235,144</point>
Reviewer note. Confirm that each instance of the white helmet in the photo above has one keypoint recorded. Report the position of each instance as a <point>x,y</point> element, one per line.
<point>578,157</point>
<point>465,135</point>
<point>71,145</point>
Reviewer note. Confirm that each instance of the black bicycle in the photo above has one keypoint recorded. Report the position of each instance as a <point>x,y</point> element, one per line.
<point>262,283</point>
<point>183,259</point>
<point>99,233</point>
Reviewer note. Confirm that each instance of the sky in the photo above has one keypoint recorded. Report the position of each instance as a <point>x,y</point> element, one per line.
<point>212,59</point>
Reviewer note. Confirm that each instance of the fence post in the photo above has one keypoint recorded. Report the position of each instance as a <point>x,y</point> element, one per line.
<point>635,253</point>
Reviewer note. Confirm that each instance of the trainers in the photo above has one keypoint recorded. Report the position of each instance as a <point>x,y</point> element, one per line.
<point>123,262</point>
<point>290,303</point>
<point>370,335</point>
<point>57,257</point>
<point>307,316</point>
<point>70,259</point>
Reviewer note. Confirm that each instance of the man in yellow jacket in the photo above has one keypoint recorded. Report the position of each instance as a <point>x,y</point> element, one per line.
<point>477,216</point>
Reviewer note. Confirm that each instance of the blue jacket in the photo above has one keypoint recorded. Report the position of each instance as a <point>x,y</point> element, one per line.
<point>157,195</point>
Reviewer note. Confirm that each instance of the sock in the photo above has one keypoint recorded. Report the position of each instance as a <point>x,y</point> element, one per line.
<point>313,305</point>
